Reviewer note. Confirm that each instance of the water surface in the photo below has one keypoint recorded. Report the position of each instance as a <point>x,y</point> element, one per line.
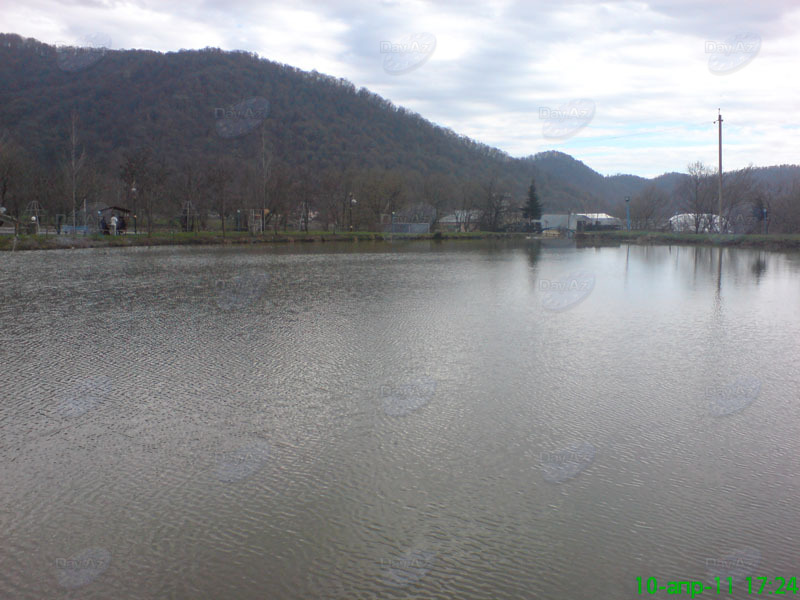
<point>459,420</point>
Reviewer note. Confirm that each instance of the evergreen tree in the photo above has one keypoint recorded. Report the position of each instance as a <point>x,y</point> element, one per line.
<point>532,209</point>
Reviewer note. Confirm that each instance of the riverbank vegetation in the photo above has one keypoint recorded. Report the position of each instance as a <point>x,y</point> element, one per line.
<point>213,141</point>
<point>206,238</point>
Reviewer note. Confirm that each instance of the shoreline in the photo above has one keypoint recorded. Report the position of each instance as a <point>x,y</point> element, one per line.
<point>780,242</point>
<point>64,242</point>
<point>776,242</point>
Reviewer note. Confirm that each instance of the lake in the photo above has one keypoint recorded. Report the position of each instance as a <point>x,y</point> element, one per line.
<point>415,419</point>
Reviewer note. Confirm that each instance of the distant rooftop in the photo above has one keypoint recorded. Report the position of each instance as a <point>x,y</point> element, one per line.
<point>597,216</point>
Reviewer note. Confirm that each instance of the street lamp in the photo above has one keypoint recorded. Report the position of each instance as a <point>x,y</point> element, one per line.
<point>133,191</point>
<point>628,211</point>
<point>352,201</point>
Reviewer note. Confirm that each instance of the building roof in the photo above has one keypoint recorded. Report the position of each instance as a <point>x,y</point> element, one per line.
<point>599,216</point>
<point>460,216</point>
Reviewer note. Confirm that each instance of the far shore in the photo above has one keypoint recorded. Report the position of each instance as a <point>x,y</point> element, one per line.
<point>777,242</point>
<point>788,241</point>
<point>236,238</point>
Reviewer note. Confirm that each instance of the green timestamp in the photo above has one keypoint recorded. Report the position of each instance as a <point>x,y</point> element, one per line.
<point>755,585</point>
<point>777,586</point>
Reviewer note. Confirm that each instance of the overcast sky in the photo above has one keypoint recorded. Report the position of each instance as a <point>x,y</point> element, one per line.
<point>626,87</point>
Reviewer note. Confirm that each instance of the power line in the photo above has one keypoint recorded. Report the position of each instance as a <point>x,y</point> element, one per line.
<point>651,132</point>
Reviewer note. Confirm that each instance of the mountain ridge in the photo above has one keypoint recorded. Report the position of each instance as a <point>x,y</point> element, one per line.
<point>130,99</point>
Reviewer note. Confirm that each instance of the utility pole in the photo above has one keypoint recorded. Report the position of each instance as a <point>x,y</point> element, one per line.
<point>719,120</point>
<point>628,211</point>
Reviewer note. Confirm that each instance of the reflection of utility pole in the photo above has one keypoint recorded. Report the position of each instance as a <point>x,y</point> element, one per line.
<point>719,120</point>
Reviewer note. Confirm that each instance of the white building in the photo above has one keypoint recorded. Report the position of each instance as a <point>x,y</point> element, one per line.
<point>688,222</point>
<point>603,219</point>
<point>571,220</point>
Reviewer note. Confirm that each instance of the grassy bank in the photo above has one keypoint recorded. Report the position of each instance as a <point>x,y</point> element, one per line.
<point>615,238</point>
<point>208,238</point>
<point>52,242</point>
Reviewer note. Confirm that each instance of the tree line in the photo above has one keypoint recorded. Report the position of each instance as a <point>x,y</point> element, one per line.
<point>140,129</point>
<point>289,196</point>
<point>292,196</point>
<point>751,203</point>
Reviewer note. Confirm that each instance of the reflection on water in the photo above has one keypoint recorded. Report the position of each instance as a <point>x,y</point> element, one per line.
<point>414,419</point>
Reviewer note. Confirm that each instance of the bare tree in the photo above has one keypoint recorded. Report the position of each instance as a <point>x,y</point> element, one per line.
<point>157,175</point>
<point>265,172</point>
<point>760,212</point>
<point>697,194</point>
<point>437,191</point>
<point>47,186</point>
<point>647,206</point>
<point>302,190</point>
<point>393,189</point>
<point>494,201</point>
<point>10,172</point>
<point>333,196</point>
<point>278,193</point>
<point>468,197</point>
<point>136,175</point>
<point>368,192</point>
<point>379,193</point>
<point>740,192</point>
<point>75,161</point>
<point>188,184</point>
<point>217,179</point>
<point>785,210</point>
<point>336,189</point>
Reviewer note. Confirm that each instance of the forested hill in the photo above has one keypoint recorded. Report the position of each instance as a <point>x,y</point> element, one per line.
<point>132,98</point>
<point>194,109</point>
<point>171,103</point>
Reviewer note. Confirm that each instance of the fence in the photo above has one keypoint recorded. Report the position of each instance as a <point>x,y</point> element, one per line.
<point>407,228</point>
